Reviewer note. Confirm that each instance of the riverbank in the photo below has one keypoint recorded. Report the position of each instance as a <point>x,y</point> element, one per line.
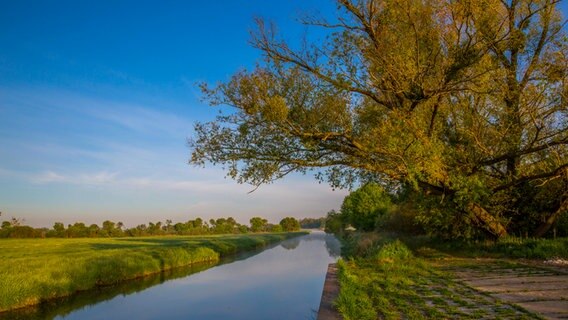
<point>36,270</point>
<point>390,279</point>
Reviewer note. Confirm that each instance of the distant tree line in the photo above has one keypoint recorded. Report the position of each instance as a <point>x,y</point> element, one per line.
<point>312,223</point>
<point>15,229</point>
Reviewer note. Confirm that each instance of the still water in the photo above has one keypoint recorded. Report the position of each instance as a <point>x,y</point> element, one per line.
<point>284,281</point>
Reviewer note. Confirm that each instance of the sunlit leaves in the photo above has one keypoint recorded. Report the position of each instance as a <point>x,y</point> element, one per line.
<point>464,99</point>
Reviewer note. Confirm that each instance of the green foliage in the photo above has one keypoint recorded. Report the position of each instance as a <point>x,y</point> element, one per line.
<point>312,223</point>
<point>224,226</point>
<point>258,224</point>
<point>402,218</point>
<point>34,270</point>
<point>562,225</point>
<point>363,207</point>
<point>333,222</point>
<point>416,213</point>
<point>393,251</point>
<point>290,224</point>
<point>509,247</point>
<point>13,229</point>
<point>276,228</point>
<point>445,221</point>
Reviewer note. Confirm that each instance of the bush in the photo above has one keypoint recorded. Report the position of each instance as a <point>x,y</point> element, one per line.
<point>392,251</point>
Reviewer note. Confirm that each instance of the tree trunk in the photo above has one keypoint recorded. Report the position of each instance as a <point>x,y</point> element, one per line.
<point>545,226</point>
<point>488,222</point>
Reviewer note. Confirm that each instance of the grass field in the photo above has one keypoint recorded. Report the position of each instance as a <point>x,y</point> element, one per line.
<point>35,270</point>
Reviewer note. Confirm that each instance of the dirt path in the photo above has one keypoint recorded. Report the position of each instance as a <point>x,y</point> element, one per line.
<point>538,289</point>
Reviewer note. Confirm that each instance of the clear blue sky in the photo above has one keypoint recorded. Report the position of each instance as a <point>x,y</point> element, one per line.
<point>97,99</point>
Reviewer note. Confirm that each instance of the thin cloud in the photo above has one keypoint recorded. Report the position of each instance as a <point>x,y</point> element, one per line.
<point>147,119</point>
<point>297,189</point>
<point>88,179</point>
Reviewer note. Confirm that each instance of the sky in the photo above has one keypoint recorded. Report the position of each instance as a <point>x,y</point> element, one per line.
<point>98,98</point>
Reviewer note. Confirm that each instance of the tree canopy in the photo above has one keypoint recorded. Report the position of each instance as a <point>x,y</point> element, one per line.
<point>465,101</point>
<point>362,207</point>
<point>289,224</point>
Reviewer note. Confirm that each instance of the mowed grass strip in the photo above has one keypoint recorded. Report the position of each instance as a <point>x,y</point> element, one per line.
<point>35,270</point>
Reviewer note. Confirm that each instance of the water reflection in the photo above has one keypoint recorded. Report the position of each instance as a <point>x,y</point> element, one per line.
<point>281,282</point>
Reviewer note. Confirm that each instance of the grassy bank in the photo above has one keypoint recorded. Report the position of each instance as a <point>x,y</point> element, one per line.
<point>382,278</point>
<point>35,270</point>
<point>509,248</point>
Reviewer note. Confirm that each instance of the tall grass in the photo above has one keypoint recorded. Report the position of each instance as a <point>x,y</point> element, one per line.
<point>509,247</point>
<point>35,270</point>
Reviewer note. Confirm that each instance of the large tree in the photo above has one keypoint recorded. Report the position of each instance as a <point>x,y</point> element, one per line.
<point>464,100</point>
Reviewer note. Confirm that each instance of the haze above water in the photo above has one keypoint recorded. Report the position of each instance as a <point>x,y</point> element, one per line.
<point>282,282</point>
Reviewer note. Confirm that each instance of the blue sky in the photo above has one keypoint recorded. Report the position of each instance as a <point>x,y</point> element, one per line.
<point>97,99</point>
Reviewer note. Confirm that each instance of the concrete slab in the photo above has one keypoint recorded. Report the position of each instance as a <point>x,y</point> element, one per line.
<point>551,308</point>
<point>544,292</point>
<point>330,292</point>
<point>528,296</point>
<point>514,287</point>
<point>560,280</point>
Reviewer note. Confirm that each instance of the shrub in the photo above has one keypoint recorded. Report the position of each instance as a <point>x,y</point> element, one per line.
<point>392,251</point>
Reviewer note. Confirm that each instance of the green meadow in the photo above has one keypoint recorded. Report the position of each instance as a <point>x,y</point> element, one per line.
<point>36,270</point>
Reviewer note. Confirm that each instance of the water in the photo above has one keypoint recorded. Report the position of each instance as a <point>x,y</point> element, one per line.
<point>284,281</point>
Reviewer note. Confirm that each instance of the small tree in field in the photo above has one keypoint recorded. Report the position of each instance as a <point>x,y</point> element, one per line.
<point>258,224</point>
<point>290,224</point>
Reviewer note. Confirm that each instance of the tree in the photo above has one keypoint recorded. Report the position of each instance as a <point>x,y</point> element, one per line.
<point>6,225</point>
<point>312,223</point>
<point>155,228</point>
<point>108,228</point>
<point>94,230</point>
<point>59,229</point>
<point>290,224</point>
<point>258,224</point>
<point>276,228</point>
<point>466,101</point>
<point>334,222</point>
<point>363,207</point>
<point>77,230</point>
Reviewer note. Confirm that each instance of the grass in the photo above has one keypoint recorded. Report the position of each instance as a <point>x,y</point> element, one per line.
<point>510,247</point>
<point>61,307</point>
<point>37,270</point>
<point>383,279</point>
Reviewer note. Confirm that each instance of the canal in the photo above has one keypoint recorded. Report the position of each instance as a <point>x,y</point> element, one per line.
<point>283,281</point>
